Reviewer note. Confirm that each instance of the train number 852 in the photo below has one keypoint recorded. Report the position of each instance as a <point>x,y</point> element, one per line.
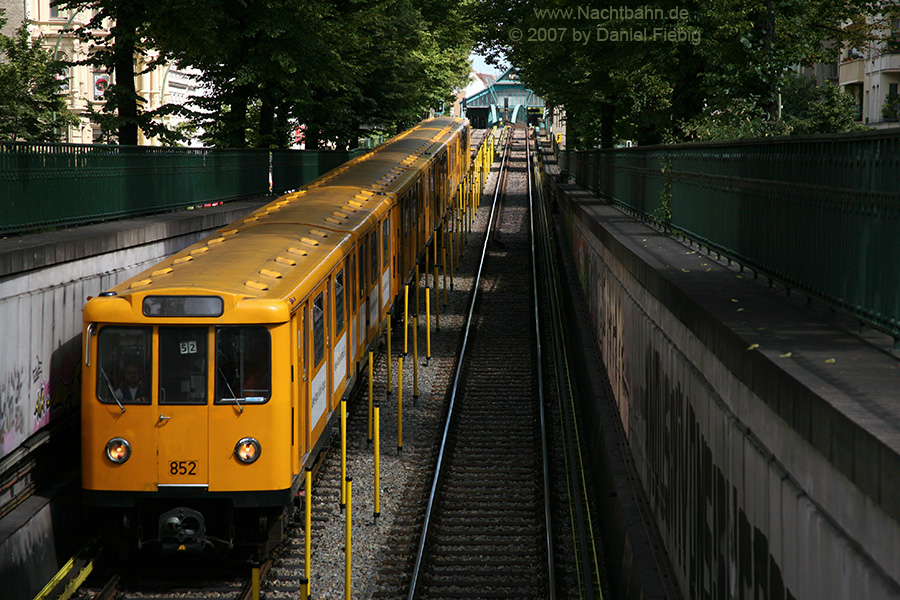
<point>183,467</point>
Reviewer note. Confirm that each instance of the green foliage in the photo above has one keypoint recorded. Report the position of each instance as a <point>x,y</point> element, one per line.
<point>891,109</point>
<point>714,71</point>
<point>31,106</point>
<point>807,108</point>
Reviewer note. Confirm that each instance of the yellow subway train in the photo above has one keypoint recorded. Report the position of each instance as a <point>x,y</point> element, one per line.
<point>211,380</point>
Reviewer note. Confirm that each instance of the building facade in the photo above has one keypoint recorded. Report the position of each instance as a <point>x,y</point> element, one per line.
<point>85,85</point>
<point>872,77</point>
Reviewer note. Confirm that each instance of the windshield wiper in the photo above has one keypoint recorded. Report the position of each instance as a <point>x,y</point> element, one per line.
<point>112,390</point>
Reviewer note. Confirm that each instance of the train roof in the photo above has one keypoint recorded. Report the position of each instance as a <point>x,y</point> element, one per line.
<point>281,250</point>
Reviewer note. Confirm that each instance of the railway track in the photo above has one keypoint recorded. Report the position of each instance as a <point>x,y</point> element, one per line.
<point>484,505</point>
<point>486,531</point>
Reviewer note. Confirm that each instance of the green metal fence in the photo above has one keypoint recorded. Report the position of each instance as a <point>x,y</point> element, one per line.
<point>44,185</point>
<point>820,213</point>
<point>293,168</point>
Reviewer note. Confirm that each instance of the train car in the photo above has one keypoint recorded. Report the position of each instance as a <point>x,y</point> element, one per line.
<point>212,379</point>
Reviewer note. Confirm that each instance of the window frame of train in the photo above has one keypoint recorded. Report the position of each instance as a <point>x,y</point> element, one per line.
<point>317,323</point>
<point>258,350</point>
<point>117,353</point>
<point>187,341</point>
<point>339,301</point>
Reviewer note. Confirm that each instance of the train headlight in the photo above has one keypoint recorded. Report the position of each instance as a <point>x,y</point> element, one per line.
<point>247,450</point>
<point>118,450</point>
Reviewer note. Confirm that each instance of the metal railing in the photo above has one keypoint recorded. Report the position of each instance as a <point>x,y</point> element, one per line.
<point>45,185</point>
<point>819,213</point>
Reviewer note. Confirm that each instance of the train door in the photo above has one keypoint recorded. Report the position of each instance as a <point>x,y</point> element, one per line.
<point>339,341</point>
<point>300,404</point>
<point>374,282</point>
<point>353,329</point>
<point>320,360</point>
<point>386,263</point>
<point>362,314</point>
<point>184,380</point>
<point>406,233</point>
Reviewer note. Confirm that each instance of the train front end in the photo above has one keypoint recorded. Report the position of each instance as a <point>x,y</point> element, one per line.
<point>186,421</point>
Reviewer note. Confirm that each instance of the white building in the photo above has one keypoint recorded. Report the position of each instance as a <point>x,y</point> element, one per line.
<point>872,74</point>
<point>85,85</point>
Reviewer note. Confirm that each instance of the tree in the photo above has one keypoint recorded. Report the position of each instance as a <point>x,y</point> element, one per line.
<point>32,107</point>
<point>115,53</point>
<point>648,70</point>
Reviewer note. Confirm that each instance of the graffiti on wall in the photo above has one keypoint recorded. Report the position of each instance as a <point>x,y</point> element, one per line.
<point>31,397</point>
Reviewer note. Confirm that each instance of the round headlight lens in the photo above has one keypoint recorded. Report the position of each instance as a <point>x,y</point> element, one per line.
<point>118,450</point>
<point>247,450</point>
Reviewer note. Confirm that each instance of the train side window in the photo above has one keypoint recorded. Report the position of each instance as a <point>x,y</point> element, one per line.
<point>339,302</point>
<point>386,242</point>
<point>373,255</point>
<point>318,323</point>
<point>352,289</point>
<point>243,365</point>
<point>363,246</point>
<point>124,365</point>
<point>183,365</point>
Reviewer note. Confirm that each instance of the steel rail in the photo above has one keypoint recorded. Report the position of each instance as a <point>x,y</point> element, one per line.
<point>551,567</point>
<point>587,561</point>
<point>456,378</point>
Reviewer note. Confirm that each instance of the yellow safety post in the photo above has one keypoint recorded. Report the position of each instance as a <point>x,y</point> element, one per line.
<point>416,363</point>
<point>347,537</point>
<point>254,582</point>
<point>400,407</point>
<point>304,588</point>
<point>389,367</point>
<point>444,264</point>
<point>427,326</point>
<point>343,452</point>
<point>377,461</point>
<point>370,394</point>
<point>405,319</point>
<point>307,533</point>
<point>452,234</point>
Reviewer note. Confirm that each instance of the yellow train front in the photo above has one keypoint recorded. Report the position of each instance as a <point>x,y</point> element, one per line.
<point>212,379</point>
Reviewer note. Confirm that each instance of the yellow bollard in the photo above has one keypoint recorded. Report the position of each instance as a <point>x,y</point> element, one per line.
<point>427,326</point>
<point>377,461</point>
<point>405,319</point>
<point>400,407</point>
<point>437,299</point>
<point>389,367</point>
<point>304,588</point>
<point>416,363</point>
<point>343,452</point>
<point>307,533</point>
<point>254,582</point>
<point>452,251</point>
<point>370,395</point>
<point>347,536</point>
<point>444,264</point>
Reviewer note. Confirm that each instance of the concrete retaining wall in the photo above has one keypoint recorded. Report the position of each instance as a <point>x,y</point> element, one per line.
<point>44,282</point>
<point>765,459</point>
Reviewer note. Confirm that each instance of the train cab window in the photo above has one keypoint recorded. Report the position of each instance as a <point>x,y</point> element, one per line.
<point>124,365</point>
<point>318,326</point>
<point>183,361</point>
<point>339,302</point>
<point>243,365</point>
<point>385,242</point>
